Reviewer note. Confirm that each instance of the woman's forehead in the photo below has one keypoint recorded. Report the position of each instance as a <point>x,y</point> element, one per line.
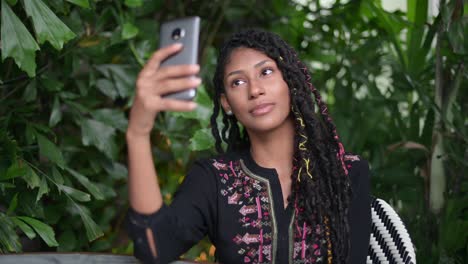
<point>245,57</point>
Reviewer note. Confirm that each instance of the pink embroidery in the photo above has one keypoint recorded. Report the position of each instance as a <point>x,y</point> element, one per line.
<point>303,241</point>
<point>248,238</point>
<point>232,169</point>
<point>260,255</point>
<point>248,209</point>
<point>351,158</point>
<point>233,199</point>
<point>219,166</point>
<point>259,208</point>
<point>250,197</point>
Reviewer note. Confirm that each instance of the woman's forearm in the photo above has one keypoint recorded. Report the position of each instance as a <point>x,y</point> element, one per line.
<point>144,192</point>
<point>151,84</point>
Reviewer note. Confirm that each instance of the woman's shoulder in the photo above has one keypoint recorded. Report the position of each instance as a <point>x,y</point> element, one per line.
<point>355,163</point>
<point>358,170</point>
<point>219,161</point>
<point>207,169</point>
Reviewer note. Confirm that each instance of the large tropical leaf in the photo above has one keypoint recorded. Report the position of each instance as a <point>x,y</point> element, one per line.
<point>47,25</point>
<point>48,149</point>
<point>45,231</point>
<point>82,3</point>
<point>100,135</point>
<point>93,231</point>
<point>17,42</point>
<point>8,238</point>
<point>202,140</point>
<point>90,186</point>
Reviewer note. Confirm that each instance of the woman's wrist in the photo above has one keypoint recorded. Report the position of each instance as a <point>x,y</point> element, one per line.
<point>132,135</point>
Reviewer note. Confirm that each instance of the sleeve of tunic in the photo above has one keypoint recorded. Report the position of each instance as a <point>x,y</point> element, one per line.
<point>175,228</point>
<point>360,210</point>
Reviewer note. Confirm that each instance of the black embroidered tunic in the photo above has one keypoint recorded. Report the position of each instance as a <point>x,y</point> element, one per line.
<point>239,205</point>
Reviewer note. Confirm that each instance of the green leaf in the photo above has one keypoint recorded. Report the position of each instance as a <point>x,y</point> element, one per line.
<point>129,31</point>
<point>69,95</point>
<point>51,84</point>
<point>50,151</point>
<point>117,170</point>
<point>47,25</point>
<point>123,77</point>
<point>6,185</point>
<point>92,229</point>
<point>107,88</point>
<point>133,3</point>
<point>31,178</point>
<point>78,107</point>
<point>82,3</point>
<point>56,114</point>
<point>30,93</point>
<point>43,128</point>
<point>112,117</point>
<point>417,15</point>
<point>90,186</point>
<point>74,193</point>
<point>17,42</point>
<point>43,189</point>
<point>45,231</point>
<point>58,178</point>
<point>13,204</point>
<point>456,35</point>
<point>202,140</point>
<point>12,2</point>
<point>27,230</point>
<point>100,135</point>
<point>15,170</point>
<point>28,205</point>
<point>30,134</point>
<point>67,241</point>
<point>9,240</point>
<point>391,24</point>
<point>204,108</point>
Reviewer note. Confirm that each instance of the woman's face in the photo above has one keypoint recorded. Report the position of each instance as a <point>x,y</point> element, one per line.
<point>255,91</point>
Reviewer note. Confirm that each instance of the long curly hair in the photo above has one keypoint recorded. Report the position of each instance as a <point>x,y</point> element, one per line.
<point>320,189</point>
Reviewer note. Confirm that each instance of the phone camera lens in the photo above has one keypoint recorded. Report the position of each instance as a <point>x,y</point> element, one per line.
<point>178,33</point>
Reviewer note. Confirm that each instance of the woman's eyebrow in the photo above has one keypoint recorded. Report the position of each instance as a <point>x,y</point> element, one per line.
<point>261,63</point>
<point>255,66</point>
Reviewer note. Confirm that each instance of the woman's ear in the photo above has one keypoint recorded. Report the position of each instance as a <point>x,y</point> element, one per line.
<point>225,103</point>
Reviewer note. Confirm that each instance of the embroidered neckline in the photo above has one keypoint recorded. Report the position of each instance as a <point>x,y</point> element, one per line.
<point>291,238</point>
<point>272,208</point>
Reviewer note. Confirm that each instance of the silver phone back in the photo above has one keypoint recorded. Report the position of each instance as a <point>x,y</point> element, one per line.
<point>190,27</point>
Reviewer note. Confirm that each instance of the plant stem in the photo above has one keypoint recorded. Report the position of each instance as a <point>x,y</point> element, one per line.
<point>437,176</point>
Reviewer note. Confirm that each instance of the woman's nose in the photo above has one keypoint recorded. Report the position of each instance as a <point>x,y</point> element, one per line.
<point>256,89</point>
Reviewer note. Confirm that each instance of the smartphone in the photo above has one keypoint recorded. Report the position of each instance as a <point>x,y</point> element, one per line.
<point>185,31</point>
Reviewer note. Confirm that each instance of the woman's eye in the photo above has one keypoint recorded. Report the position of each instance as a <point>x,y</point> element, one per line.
<point>267,71</point>
<point>237,82</point>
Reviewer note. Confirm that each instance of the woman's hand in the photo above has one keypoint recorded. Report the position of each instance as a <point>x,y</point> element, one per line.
<point>152,83</point>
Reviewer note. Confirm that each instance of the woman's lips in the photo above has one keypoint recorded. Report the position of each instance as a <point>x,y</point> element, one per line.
<point>262,109</point>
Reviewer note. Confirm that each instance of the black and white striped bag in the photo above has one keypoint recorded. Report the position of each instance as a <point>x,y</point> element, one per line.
<point>389,242</point>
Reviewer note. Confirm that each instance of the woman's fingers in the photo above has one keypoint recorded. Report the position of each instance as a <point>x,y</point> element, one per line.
<point>157,104</point>
<point>174,71</point>
<point>176,85</point>
<point>160,55</point>
<point>154,82</point>
<point>178,105</point>
<point>153,86</point>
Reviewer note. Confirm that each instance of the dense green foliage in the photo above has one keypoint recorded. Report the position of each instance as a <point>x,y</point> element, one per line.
<point>395,82</point>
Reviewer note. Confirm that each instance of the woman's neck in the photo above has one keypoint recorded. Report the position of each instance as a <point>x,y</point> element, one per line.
<point>275,148</point>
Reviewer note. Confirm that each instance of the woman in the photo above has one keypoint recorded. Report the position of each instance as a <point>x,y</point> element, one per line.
<point>283,192</point>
